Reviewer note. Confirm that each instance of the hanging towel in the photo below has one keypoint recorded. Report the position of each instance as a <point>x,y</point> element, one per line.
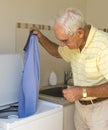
<point>29,90</point>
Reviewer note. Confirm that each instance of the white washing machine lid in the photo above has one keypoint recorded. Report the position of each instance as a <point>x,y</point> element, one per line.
<point>11,66</point>
<point>44,109</point>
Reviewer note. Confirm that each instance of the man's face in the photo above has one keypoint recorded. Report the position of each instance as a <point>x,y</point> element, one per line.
<point>71,41</point>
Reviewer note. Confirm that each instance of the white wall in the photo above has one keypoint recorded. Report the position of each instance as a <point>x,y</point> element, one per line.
<point>29,11</point>
<point>97,13</point>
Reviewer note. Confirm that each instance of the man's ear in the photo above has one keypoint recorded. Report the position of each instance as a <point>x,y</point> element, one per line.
<point>80,33</point>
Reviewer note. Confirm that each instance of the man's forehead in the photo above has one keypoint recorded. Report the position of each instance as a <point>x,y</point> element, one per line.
<point>60,30</point>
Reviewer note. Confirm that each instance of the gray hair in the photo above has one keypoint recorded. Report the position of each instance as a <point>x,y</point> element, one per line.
<point>72,19</point>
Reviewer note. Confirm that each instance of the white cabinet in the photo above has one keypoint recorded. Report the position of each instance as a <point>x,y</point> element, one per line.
<point>68,110</point>
<point>68,117</point>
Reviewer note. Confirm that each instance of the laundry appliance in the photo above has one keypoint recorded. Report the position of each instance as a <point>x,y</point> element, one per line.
<point>49,116</point>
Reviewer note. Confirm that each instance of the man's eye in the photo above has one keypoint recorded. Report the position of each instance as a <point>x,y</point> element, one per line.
<point>64,41</point>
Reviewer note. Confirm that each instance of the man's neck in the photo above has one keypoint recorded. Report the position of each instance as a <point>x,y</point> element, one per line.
<point>87,30</point>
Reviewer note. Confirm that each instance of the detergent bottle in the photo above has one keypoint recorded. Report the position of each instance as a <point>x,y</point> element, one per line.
<point>52,78</point>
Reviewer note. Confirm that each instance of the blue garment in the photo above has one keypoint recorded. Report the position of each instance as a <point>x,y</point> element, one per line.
<point>30,83</point>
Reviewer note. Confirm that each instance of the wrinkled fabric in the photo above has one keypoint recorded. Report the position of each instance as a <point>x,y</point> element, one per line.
<point>30,83</point>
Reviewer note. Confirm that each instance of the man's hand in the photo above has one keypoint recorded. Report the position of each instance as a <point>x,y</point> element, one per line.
<point>73,93</point>
<point>37,32</point>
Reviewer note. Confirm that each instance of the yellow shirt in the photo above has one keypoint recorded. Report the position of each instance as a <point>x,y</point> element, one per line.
<point>90,66</point>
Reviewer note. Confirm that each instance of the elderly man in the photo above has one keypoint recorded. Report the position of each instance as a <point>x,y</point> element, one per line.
<point>86,48</point>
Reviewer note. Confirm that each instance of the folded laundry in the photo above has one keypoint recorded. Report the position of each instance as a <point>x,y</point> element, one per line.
<point>29,90</point>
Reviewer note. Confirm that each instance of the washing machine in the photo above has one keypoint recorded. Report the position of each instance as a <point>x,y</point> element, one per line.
<point>49,116</point>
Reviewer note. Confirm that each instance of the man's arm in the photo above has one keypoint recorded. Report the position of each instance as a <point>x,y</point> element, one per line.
<point>50,47</point>
<point>75,92</point>
<point>98,91</point>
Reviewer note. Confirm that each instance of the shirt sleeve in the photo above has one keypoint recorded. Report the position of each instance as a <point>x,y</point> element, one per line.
<point>103,63</point>
<point>65,53</point>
